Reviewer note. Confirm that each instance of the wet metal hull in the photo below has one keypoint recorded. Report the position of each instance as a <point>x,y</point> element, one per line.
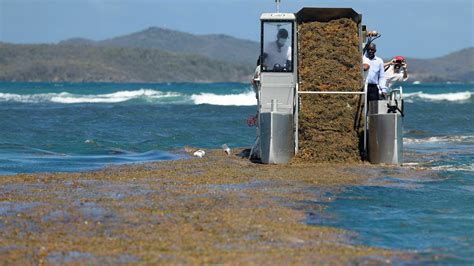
<point>276,137</point>
<point>385,138</point>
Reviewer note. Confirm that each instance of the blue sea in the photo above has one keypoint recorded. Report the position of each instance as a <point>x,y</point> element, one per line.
<point>425,207</point>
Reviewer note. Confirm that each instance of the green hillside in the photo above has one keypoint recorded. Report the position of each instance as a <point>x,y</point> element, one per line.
<point>82,63</point>
<point>457,66</point>
<point>220,47</point>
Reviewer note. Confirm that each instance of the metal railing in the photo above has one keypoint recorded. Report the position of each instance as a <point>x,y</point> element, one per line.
<point>331,92</point>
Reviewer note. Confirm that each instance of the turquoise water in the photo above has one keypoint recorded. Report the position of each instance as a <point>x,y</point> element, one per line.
<point>71,127</point>
<point>430,216</point>
<point>424,207</point>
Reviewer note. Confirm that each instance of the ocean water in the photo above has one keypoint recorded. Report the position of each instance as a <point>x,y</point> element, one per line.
<point>74,127</point>
<point>77,127</point>
<point>427,206</point>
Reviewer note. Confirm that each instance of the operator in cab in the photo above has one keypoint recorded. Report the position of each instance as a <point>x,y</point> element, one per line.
<point>277,54</point>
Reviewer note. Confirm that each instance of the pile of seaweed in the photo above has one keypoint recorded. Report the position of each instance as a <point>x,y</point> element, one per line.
<point>329,60</point>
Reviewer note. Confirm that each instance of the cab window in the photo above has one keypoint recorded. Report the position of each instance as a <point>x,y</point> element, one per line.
<point>277,46</point>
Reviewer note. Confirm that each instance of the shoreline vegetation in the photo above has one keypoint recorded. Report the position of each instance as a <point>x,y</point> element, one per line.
<point>211,210</point>
<point>162,55</point>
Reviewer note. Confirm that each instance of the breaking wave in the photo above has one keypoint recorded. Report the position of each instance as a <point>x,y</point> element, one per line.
<point>451,97</point>
<point>154,96</point>
<point>247,99</point>
<point>439,139</point>
<point>451,168</point>
<point>67,98</point>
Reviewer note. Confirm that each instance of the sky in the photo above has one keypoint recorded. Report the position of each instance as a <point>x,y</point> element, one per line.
<point>413,28</point>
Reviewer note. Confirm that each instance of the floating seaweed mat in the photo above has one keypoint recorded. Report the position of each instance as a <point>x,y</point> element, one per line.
<point>329,60</point>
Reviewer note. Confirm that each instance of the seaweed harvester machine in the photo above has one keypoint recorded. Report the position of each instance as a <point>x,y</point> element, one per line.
<point>278,94</point>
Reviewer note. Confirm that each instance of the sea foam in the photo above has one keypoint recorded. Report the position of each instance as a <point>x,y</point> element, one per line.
<point>116,97</point>
<point>451,97</point>
<point>243,99</point>
<point>440,139</point>
<point>452,168</point>
<point>67,98</point>
<point>246,98</point>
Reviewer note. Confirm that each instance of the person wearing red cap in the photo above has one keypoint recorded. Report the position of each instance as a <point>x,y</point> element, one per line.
<point>396,71</point>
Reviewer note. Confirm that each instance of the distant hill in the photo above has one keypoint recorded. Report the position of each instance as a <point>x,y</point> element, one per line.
<point>78,41</point>
<point>83,63</point>
<point>219,47</point>
<point>162,55</point>
<point>457,66</point>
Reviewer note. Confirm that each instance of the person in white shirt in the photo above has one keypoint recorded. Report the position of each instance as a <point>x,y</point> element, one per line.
<point>396,71</point>
<point>277,54</point>
<point>376,84</point>
<point>256,78</point>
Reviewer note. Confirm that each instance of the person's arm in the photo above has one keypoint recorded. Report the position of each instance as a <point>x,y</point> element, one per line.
<point>365,63</point>
<point>405,71</point>
<point>256,77</point>
<point>264,59</point>
<point>387,65</point>
<point>382,81</point>
<point>256,80</point>
<point>288,58</point>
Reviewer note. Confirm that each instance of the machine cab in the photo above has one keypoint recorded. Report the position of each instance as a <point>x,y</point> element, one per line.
<point>277,92</point>
<point>277,42</point>
<point>278,61</point>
